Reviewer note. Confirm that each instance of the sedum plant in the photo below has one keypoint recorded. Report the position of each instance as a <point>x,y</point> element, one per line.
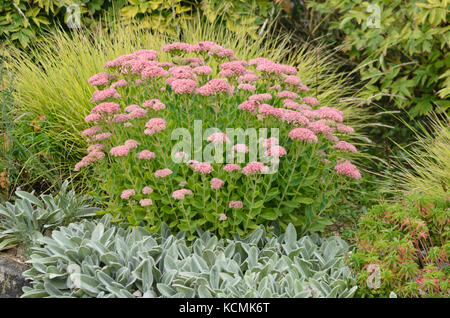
<point>98,259</point>
<point>30,216</point>
<point>189,138</point>
<point>404,248</point>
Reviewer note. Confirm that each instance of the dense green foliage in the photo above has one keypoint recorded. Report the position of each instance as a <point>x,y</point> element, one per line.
<point>97,259</point>
<point>23,21</point>
<point>405,248</point>
<point>402,48</point>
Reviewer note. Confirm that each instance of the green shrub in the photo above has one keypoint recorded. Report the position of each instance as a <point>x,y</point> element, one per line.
<point>405,57</point>
<point>96,259</point>
<point>404,248</point>
<point>30,216</point>
<point>23,21</point>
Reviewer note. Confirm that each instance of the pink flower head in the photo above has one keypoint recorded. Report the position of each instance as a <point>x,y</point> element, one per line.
<point>93,118</point>
<point>121,118</point>
<point>177,47</point>
<point>303,88</point>
<point>266,110</point>
<point>287,94</point>
<point>275,151</point>
<point>216,183</point>
<point>303,134</point>
<point>154,104</point>
<point>100,79</point>
<point>247,87</point>
<point>96,147</point>
<point>249,77</point>
<point>202,70</point>
<point>119,151</point>
<point>310,100</point>
<point>126,194</point>
<point>132,107</point>
<point>162,173</point>
<point>154,125</point>
<point>215,86</point>
<point>240,148</point>
<point>131,143</point>
<point>236,204</point>
<point>145,202</point>
<point>293,80</point>
<point>348,169</point>
<point>138,113</point>
<point>230,167</point>
<point>234,68</point>
<point>100,95</point>
<point>268,142</point>
<point>180,194</point>
<point>182,72</point>
<point>260,97</point>
<point>106,108</point>
<point>344,129</point>
<point>343,146</point>
<point>249,105</point>
<point>289,103</point>
<point>276,87</point>
<point>153,71</point>
<point>218,137</point>
<point>319,126</point>
<point>91,131</point>
<point>292,117</point>
<point>147,190</point>
<point>254,167</point>
<point>202,167</point>
<point>102,136</point>
<point>194,61</point>
<point>330,113</point>
<point>183,86</point>
<point>120,83</point>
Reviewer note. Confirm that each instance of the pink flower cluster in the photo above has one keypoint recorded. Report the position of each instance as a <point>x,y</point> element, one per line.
<point>348,169</point>
<point>215,86</point>
<point>181,193</point>
<point>108,93</point>
<point>254,167</point>
<point>154,125</point>
<point>100,79</point>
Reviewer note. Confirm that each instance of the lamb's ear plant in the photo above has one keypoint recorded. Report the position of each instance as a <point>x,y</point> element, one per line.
<point>100,259</point>
<point>30,217</point>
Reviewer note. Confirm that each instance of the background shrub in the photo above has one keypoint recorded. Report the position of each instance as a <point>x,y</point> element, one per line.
<point>406,58</point>
<point>407,244</point>
<point>24,22</point>
<point>96,259</point>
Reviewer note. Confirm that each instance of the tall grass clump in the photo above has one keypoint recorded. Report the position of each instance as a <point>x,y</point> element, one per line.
<point>426,165</point>
<point>52,79</point>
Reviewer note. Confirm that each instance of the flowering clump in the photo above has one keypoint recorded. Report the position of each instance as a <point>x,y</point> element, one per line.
<point>404,248</point>
<point>141,101</point>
